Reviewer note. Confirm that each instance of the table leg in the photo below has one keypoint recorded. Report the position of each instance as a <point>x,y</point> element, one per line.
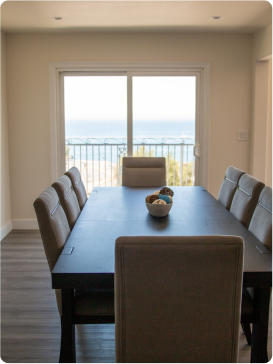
<point>67,351</point>
<point>260,327</point>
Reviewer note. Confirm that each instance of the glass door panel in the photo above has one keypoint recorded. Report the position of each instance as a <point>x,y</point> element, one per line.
<point>95,115</point>
<point>164,123</point>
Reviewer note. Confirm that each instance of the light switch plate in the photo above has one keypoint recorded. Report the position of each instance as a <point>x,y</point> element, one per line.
<point>242,135</point>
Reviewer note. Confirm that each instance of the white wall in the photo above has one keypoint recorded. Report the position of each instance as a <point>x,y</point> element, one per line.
<point>261,136</point>
<point>5,181</point>
<point>28,57</point>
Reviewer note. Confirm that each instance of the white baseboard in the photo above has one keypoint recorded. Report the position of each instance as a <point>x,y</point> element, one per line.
<point>5,230</point>
<point>25,224</point>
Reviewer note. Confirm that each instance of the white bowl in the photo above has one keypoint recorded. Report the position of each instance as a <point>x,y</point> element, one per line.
<point>158,210</point>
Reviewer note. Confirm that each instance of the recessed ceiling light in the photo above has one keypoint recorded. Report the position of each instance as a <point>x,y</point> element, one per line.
<point>216,17</point>
<point>57,18</point>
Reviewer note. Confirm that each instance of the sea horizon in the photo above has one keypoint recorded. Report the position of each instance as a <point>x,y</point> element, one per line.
<point>118,129</point>
<point>144,132</point>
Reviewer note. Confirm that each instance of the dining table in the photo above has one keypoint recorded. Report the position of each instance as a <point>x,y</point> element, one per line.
<point>88,257</point>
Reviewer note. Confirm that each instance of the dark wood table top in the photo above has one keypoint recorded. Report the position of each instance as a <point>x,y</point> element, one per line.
<point>110,212</point>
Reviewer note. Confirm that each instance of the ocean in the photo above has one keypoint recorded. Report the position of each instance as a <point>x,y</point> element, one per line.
<point>144,132</point>
<point>141,129</point>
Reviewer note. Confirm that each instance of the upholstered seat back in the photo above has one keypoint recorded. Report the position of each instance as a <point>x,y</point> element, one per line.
<point>261,222</point>
<point>78,186</point>
<point>178,299</point>
<point>229,186</point>
<point>52,223</point>
<point>143,171</point>
<point>54,228</point>
<point>68,198</point>
<point>246,198</point>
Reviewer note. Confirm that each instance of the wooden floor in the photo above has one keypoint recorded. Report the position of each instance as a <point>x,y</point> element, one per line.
<point>30,320</point>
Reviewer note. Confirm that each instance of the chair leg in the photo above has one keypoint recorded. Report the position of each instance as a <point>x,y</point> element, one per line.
<point>247,332</point>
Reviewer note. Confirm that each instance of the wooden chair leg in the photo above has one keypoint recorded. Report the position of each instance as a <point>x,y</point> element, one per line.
<point>247,332</point>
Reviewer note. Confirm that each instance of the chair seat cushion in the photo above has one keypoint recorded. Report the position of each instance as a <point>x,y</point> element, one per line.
<point>94,302</point>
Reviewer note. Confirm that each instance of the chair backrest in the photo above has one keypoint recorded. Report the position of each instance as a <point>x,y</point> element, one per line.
<point>68,199</point>
<point>54,229</point>
<point>143,171</point>
<point>78,186</point>
<point>229,186</point>
<point>261,222</point>
<point>178,299</point>
<point>246,198</point>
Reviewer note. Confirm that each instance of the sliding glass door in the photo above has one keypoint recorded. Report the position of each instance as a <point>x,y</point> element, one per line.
<point>107,116</point>
<point>95,110</point>
<point>164,120</point>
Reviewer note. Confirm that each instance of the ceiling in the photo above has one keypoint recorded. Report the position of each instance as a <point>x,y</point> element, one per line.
<point>155,16</point>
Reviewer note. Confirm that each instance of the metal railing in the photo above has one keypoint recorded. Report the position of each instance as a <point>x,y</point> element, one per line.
<point>100,159</point>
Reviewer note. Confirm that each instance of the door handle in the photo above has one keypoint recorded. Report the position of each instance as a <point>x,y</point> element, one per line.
<point>194,150</point>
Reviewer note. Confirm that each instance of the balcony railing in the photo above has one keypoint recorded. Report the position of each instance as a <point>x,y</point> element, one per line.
<point>100,159</point>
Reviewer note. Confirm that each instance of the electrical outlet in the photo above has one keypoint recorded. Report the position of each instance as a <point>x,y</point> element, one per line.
<point>242,135</point>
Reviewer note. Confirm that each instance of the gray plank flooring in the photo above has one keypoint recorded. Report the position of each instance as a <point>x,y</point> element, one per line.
<point>30,330</point>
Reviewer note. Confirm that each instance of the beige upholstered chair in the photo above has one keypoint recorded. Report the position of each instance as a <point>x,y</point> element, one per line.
<point>92,306</point>
<point>143,171</point>
<point>261,222</point>
<point>171,295</point>
<point>229,186</point>
<point>75,177</point>
<point>246,198</point>
<point>261,227</point>
<point>68,198</point>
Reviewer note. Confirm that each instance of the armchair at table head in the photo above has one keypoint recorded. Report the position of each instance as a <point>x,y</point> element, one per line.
<point>229,186</point>
<point>68,198</point>
<point>54,228</point>
<point>78,186</point>
<point>143,171</point>
<point>246,198</point>
<point>171,295</point>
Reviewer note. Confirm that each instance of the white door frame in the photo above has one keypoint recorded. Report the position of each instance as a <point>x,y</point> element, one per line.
<point>201,70</point>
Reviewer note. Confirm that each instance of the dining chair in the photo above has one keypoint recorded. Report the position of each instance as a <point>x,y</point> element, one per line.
<point>261,222</point>
<point>229,186</point>
<point>178,298</point>
<point>75,177</point>
<point>246,198</point>
<point>68,199</point>
<point>143,171</point>
<point>90,306</point>
<point>261,227</point>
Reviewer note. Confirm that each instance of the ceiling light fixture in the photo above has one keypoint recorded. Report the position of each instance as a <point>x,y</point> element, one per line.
<point>217,17</point>
<point>57,18</point>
